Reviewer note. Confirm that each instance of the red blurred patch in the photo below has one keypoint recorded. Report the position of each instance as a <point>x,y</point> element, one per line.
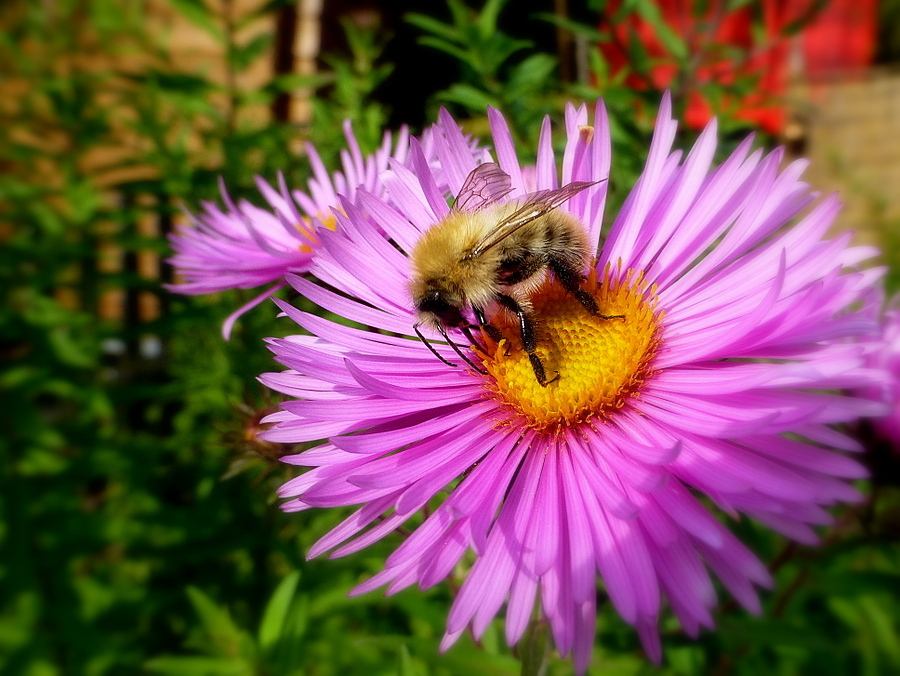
<point>840,38</point>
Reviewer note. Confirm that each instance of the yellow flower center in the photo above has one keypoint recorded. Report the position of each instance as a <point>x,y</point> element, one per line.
<point>306,227</point>
<point>595,364</point>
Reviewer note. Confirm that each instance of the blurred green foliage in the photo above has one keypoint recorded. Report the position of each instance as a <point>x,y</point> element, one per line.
<point>138,523</point>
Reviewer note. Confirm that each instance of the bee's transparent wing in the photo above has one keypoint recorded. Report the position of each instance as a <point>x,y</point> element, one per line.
<point>534,206</point>
<point>486,184</point>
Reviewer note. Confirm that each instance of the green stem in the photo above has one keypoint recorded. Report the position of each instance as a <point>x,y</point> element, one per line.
<point>535,649</point>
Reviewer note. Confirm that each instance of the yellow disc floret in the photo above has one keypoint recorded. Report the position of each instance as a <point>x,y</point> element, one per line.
<point>305,225</point>
<point>595,364</point>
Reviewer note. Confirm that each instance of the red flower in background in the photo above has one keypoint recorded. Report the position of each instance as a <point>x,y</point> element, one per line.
<point>839,38</point>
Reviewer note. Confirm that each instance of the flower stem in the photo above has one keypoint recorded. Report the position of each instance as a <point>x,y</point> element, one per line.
<point>535,650</point>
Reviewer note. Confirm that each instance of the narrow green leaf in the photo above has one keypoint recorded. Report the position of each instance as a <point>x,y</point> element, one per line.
<point>200,15</point>
<point>270,629</point>
<point>576,28</point>
<point>463,658</point>
<point>854,583</point>
<point>294,81</point>
<point>452,50</point>
<point>531,75</point>
<point>487,19</point>
<point>461,13</point>
<point>244,56</point>
<point>674,44</point>
<point>772,632</point>
<point>217,622</point>
<point>535,649</point>
<point>197,666</point>
<point>468,96</point>
<point>404,662</point>
<point>883,629</point>
<point>433,26</point>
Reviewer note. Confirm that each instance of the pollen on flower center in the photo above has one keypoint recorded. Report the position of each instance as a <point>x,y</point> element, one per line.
<point>600,363</point>
<point>305,225</point>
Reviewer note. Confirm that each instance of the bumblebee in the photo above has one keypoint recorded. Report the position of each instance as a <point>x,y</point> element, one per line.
<point>488,251</point>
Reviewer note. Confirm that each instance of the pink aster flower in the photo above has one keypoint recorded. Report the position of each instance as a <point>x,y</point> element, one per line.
<point>735,322</point>
<point>888,359</point>
<point>245,246</point>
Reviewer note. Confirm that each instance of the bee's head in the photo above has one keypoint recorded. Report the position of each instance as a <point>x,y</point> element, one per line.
<point>439,304</point>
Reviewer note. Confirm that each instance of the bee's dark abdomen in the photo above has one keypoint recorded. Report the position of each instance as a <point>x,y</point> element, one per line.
<point>519,266</point>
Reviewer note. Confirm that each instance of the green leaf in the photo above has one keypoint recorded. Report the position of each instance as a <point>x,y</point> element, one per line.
<point>535,649</point>
<point>852,583</point>
<point>183,83</point>
<point>270,629</point>
<point>404,662</point>
<point>487,18</point>
<point>586,31</point>
<point>452,50</point>
<point>882,620</point>
<point>244,56</point>
<point>433,26</point>
<point>797,24</point>
<point>197,666</point>
<point>468,96</point>
<point>200,15</point>
<point>294,81</point>
<point>463,658</point>
<point>462,14</point>
<point>531,75</point>
<point>771,632</point>
<point>673,43</point>
<point>225,637</point>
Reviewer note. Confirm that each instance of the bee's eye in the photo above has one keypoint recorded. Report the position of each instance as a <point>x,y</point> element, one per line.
<point>434,302</point>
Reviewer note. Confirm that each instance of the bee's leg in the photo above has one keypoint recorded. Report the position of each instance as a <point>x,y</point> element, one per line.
<point>570,278</point>
<point>476,343</point>
<point>529,337</point>
<point>467,332</point>
<point>492,331</point>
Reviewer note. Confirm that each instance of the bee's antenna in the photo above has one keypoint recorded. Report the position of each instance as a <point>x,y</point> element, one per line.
<point>430,346</point>
<point>461,354</point>
<point>453,345</point>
